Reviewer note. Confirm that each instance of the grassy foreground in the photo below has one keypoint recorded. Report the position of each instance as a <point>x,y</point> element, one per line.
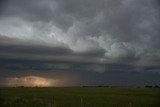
<point>80,97</point>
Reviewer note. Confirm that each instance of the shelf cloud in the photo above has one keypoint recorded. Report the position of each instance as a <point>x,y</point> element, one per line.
<point>85,36</point>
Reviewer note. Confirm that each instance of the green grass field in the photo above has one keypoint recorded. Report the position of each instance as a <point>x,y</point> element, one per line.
<point>80,97</point>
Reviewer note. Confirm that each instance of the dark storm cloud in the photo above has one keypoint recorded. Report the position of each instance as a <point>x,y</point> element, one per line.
<point>125,29</point>
<point>14,46</point>
<point>75,37</point>
<point>77,73</point>
<point>9,45</point>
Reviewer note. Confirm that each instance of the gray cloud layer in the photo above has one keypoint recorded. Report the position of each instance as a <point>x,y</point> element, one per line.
<point>96,32</point>
<point>125,29</point>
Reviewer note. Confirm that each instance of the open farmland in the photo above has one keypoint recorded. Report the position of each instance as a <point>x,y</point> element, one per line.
<point>80,97</point>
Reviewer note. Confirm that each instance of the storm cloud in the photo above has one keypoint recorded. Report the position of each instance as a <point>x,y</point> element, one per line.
<point>85,36</point>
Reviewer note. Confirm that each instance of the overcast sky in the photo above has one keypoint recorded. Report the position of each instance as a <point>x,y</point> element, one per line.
<point>80,42</point>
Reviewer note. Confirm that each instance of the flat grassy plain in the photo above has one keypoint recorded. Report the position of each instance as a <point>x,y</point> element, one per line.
<point>80,97</point>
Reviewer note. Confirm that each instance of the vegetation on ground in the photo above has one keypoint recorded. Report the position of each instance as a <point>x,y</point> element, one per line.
<point>79,97</point>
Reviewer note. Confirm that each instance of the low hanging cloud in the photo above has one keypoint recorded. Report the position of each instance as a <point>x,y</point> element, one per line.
<point>96,68</point>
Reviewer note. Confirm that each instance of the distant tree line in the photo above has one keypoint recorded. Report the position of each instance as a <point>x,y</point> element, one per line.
<point>150,86</point>
<point>146,86</point>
